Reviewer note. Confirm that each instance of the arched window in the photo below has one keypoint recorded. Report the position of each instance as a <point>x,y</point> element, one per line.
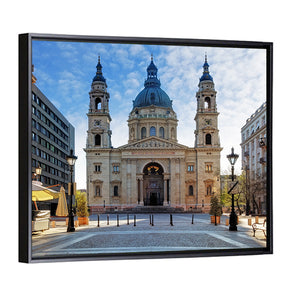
<point>191,190</point>
<point>152,131</point>
<point>207,104</point>
<point>116,190</point>
<point>98,103</point>
<point>208,139</point>
<point>143,132</point>
<point>97,140</point>
<point>161,132</point>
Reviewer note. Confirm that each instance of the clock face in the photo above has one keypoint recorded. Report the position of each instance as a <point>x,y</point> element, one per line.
<point>208,122</point>
<point>97,123</point>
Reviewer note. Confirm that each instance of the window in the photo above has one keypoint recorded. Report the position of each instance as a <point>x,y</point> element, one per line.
<point>190,168</point>
<point>116,191</point>
<point>208,139</point>
<point>143,132</point>
<point>97,168</point>
<point>116,168</point>
<point>191,190</point>
<point>161,132</point>
<point>152,131</point>
<point>208,167</point>
<point>97,140</point>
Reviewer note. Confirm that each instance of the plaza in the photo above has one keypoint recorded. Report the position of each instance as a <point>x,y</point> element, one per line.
<point>187,233</point>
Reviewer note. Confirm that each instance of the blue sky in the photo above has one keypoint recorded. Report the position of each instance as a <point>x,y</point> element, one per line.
<point>65,70</point>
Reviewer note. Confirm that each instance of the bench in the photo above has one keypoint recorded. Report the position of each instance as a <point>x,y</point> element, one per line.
<point>260,226</point>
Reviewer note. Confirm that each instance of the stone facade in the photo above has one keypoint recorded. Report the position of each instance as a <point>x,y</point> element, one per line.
<point>254,161</point>
<point>153,169</point>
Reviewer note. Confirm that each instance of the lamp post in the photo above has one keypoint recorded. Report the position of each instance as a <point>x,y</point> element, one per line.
<point>232,157</point>
<point>71,161</point>
<point>38,172</point>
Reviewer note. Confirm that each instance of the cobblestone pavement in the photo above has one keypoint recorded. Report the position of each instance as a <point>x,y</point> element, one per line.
<point>126,238</point>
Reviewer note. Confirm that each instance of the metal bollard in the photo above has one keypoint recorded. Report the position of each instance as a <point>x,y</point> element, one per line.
<point>118,221</point>
<point>192,219</point>
<point>98,221</point>
<point>152,220</point>
<point>134,220</point>
<point>127,219</point>
<point>171,220</point>
<point>107,219</point>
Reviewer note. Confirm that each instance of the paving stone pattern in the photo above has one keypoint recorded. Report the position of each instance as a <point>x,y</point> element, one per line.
<point>202,235</point>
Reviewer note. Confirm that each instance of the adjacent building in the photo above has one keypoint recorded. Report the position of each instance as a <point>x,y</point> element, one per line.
<point>254,162</point>
<point>52,140</point>
<point>152,169</point>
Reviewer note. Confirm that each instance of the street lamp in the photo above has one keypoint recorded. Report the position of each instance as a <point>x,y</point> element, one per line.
<point>232,157</point>
<point>71,161</point>
<point>38,172</point>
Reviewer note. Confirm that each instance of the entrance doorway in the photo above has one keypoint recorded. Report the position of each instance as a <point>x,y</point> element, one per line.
<point>153,188</point>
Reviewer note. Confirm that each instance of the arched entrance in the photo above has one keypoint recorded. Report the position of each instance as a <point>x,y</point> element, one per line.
<point>153,184</point>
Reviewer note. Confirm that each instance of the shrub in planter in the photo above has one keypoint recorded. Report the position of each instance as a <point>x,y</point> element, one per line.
<point>82,209</point>
<point>215,210</point>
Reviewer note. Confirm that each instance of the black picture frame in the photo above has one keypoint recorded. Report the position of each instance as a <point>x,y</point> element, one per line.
<point>25,176</point>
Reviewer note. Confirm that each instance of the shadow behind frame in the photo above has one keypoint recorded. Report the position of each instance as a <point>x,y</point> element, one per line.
<point>25,63</point>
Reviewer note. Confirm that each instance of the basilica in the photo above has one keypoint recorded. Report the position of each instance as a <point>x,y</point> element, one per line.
<point>152,169</point>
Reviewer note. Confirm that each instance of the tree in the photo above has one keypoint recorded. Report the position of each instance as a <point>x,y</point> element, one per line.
<point>215,206</point>
<point>240,195</point>
<point>81,200</point>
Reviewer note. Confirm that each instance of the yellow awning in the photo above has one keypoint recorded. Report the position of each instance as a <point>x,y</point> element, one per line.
<point>43,195</point>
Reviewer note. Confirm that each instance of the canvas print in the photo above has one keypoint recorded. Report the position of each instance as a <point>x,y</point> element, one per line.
<point>147,149</point>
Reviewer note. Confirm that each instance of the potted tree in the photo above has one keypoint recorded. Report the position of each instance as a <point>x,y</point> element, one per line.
<point>215,210</point>
<point>82,209</point>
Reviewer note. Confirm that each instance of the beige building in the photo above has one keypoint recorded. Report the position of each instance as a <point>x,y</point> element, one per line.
<point>152,169</point>
<point>254,162</point>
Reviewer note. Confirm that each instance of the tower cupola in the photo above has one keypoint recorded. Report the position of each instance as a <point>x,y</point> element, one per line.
<point>206,75</point>
<point>99,75</point>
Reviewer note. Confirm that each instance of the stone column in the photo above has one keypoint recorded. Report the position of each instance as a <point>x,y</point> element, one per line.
<point>141,192</point>
<point>165,191</point>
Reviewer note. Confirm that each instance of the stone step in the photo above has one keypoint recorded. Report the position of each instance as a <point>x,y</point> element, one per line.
<point>155,209</point>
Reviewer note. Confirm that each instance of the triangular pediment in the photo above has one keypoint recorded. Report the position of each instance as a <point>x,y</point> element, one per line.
<point>153,143</point>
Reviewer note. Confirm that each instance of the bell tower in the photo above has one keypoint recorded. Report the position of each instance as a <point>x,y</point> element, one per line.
<point>207,132</point>
<point>99,133</point>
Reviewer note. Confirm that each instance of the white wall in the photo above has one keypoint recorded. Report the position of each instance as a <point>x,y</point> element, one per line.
<point>216,278</point>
